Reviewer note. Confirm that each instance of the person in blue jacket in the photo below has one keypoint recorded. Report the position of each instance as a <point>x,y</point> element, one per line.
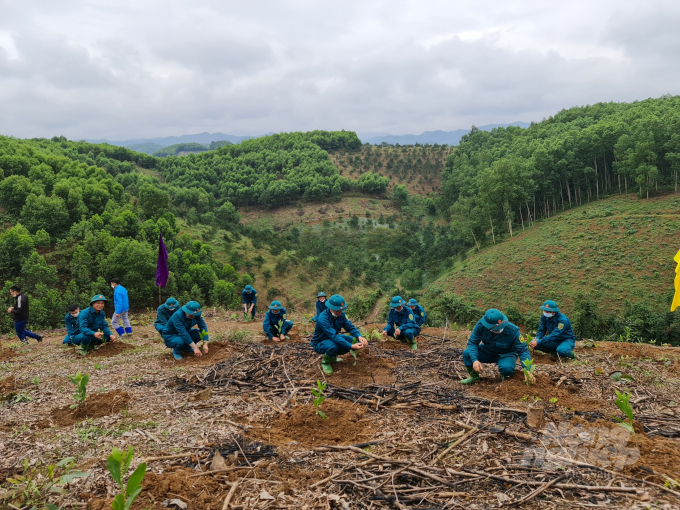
<point>320,305</point>
<point>164,312</point>
<point>418,311</point>
<point>494,339</point>
<point>73,336</point>
<point>186,330</point>
<point>275,324</point>
<point>401,323</point>
<point>249,300</point>
<point>327,339</point>
<point>121,306</point>
<point>555,334</point>
<point>94,329</point>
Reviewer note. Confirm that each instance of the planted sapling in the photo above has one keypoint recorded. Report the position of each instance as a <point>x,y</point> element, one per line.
<point>118,464</point>
<point>623,403</point>
<point>529,367</point>
<point>80,380</point>
<point>318,397</point>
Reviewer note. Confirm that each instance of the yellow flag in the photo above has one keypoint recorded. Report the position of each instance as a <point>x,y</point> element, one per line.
<point>676,298</point>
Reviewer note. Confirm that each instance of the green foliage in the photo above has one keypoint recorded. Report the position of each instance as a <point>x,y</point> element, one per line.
<point>372,183</point>
<point>224,294</point>
<point>528,368</point>
<point>80,380</point>
<point>41,239</point>
<point>154,201</point>
<point>119,464</point>
<point>400,194</point>
<point>39,480</point>
<point>623,403</point>
<point>319,397</point>
<point>359,308</point>
<point>173,150</point>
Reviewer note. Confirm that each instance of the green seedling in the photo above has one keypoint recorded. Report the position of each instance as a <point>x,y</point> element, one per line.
<point>245,316</point>
<point>119,464</point>
<point>35,380</point>
<point>623,403</point>
<point>319,397</point>
<point>80,380</point>
<point>529,368</point>
<point>97,366</point>
<point>203,334</point>
<point>354,352</point>
<point>35,481</point>
<point>553,400</point>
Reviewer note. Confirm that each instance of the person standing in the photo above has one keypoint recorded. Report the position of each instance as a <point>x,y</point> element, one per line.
<point>249,300</point>
<point>121,306</point>
<point>19,313</point>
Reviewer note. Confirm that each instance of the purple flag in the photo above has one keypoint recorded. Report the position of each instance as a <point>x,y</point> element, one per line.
<point>162,271</point>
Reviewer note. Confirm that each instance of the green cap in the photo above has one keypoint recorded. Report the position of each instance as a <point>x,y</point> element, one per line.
<point>192,308</point>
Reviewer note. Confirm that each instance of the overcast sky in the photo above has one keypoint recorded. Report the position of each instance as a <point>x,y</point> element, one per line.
<point>144,68</point>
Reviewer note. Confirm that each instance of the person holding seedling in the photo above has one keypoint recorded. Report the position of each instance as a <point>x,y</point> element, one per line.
<point>401,323</point>
<point>121,305</point>
<point>164,312</point>
<point>327,339</point>
<point>186,331</point>
<point>249,300</point>
<point>94,330</point>
<point>555,334</point>
<point>495,339</point>
<point>320,305</point>
<point>73,335</point>
<point>275,324</point>
<point>418,311</point>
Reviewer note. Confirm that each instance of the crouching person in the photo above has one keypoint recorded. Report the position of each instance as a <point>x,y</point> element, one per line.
<point>164,312</point>
<point>186,330</point>
<point>94,330</point>
<point>275,324</point>
<point>73,335</point>
<point>555,334</point>
<point>401,323</point>
<point>320,305</point>
<point>494,339</point>
<point>327,339</point>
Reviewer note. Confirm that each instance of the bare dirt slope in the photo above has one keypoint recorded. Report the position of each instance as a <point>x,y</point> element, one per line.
<point>251,400</point>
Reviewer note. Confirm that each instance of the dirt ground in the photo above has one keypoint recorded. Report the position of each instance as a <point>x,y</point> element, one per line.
<point>250,400</point>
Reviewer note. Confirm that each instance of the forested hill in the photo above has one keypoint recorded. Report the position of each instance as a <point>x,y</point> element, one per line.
<point>497,180</point>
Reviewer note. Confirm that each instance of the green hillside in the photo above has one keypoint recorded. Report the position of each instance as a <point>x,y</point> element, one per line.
<point>612,258</point>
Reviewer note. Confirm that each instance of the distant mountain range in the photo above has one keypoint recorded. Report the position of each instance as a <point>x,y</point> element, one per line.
<point>440,137</point>
<point>152,145</point>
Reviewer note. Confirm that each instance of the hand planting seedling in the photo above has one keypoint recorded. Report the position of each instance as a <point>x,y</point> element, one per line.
<point>623,403</point>
<point>318,397</point>
<point>529,367</point>
<point>80,380</point>
<point>118,464</point>
<point>353,352</point>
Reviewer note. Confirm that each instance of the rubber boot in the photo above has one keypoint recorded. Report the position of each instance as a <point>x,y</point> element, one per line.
<point>177,355</point>
<point>326,365</point>
<point>474,376</point>
<point>413,344</point>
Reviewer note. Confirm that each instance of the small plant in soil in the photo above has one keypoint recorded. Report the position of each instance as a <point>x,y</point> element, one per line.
<point>529,368</point>
<point>623,403</point>
<point>37,480</point>
<point>119,464</point>
<point>80,380</point>
<point>353,352</point>
<point>553,400</point>
<point>319,397</point>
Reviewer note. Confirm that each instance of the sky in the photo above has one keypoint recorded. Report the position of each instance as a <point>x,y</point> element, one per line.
<point>140,69</point>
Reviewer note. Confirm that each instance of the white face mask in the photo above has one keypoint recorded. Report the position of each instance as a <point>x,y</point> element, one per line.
<point>113,286</point>
<point>75,314</point>
<point>498,331</point>
<point>336,313</point>
<point>548,314</point>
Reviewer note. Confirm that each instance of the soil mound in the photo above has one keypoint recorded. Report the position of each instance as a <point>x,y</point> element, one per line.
<point>369,369</point>
<point>344,424</point>
<point>569,394</point>
<point>106,350</point>
<point>636,350</point>
<point>6,354</point>
<point>95,406</point>
<point>217,351</point>
<point>198,493</point>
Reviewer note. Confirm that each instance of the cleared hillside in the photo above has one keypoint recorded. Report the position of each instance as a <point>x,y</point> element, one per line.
<point>609,251</point>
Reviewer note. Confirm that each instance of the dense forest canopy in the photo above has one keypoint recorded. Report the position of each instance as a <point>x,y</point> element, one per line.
<point>269,171</point>
<point>496,180</point>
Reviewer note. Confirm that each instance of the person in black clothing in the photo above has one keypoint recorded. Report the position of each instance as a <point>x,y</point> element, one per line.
<point>20,315</point>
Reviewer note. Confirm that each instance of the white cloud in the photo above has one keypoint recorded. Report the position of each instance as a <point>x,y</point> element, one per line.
<point>128,69</point>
